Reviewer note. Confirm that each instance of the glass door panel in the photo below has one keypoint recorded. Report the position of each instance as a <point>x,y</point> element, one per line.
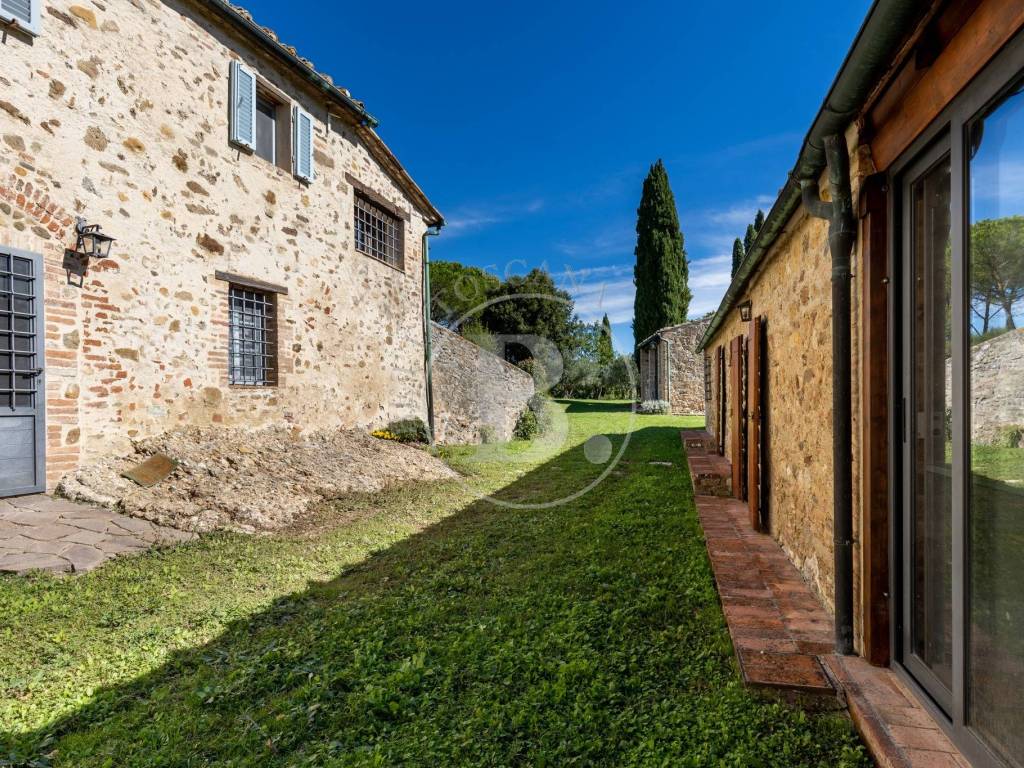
<point>928,645</point>
<point>995,510</point>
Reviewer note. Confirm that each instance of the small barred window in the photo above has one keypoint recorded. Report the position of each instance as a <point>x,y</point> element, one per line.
<point>378,232</point>
<point>252,321</point>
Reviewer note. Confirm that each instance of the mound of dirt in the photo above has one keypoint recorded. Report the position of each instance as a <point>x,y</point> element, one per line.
<point>237,480</point>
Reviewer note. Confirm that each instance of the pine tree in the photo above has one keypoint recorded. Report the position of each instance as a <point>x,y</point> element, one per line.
<point>738,255</point>
<point>749,238</point>
<point>605,350</point>
<point>661,273</point>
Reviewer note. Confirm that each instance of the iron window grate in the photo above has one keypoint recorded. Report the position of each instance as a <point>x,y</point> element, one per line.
<point>18,368</point>
<point>378,232</point>
<point>252,323</point>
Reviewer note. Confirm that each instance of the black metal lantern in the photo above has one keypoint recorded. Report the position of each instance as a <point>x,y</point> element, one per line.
<point>92,243</point>
<point>745,312</point>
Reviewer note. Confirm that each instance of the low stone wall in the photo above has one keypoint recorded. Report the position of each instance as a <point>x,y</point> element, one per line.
<point>997,394</point>
<point>474,389</point>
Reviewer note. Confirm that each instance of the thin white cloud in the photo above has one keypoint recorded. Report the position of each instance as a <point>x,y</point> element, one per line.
<point>473,218</point>
<point>611,241</point>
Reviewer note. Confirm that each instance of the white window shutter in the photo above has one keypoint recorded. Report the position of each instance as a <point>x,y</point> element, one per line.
<point>243,105</point>
<point>302,144</point>
<point>25,12</point>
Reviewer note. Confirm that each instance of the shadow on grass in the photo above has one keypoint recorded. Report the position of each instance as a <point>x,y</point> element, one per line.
<point>587,634</point>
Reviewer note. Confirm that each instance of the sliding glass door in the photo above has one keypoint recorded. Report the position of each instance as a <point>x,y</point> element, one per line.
<point>995,423</point>
<point>959,415</point>
<point>927,403</point>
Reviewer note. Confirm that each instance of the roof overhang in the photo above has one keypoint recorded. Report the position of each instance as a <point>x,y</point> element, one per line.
<point>886,27</point>
<point>365,123</point>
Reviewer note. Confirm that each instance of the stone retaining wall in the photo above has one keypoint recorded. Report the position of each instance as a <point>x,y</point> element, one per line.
<point>474,389</point>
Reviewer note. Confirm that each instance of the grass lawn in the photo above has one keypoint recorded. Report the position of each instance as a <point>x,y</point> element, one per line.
<point>423,627</point>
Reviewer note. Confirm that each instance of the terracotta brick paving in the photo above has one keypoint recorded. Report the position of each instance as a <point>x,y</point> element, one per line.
<point>783,637</point>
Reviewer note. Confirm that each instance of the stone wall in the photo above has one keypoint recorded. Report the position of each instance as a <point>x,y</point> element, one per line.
<point>685,388</point>
<point>474,389</point>
<point>792,292</point>
<point>672,369</point>
<point>119,112</point>
<point>997,386</point>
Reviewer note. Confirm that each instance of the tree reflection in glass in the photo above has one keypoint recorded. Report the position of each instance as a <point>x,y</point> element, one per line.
<point>995,572</point>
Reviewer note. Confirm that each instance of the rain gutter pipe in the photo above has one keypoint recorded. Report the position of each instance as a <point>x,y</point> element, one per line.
<point>428,365</point>
<point>842,234</point>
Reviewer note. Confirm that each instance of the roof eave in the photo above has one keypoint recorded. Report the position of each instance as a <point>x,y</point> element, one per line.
<point>231,14</point>
<point>879,39</point>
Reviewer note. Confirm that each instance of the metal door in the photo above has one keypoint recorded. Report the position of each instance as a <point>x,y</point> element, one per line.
<point>22,398</point>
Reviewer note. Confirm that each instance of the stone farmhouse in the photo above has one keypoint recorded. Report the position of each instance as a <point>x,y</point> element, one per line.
<point>671,368</point>
<point>267,266</point>
<point>828,399</point>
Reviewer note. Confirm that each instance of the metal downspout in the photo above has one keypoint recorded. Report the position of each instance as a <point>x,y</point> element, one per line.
<point>428,369</point>
<point>842,234</point>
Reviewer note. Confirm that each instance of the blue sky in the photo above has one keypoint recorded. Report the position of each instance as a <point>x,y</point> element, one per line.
<point>531,125</point>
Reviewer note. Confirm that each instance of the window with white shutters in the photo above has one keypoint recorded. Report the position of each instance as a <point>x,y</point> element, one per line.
<point>243,104</point>
<point>302,144</point>
<point>24,12</point>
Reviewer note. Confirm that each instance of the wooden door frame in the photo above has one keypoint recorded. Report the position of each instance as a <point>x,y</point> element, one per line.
<point>875,394</point>
<point>755,409</point>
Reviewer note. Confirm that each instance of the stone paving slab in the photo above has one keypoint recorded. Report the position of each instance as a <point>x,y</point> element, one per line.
<point>43,533</point>
<point>783,639</point>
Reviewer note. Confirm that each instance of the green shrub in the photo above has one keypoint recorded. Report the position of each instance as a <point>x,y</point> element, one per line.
<point>527,427</point>
<point>488,434</point>
<point>1010,436</point>
<point>541,407</point>
<point>409,431</point>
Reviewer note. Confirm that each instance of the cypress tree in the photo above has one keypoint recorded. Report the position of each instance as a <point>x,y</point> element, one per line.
<point>605,350</point>
<point>738,255</point>
<point>758,220</point>
<point>749,238</point>
<point>661,273</point>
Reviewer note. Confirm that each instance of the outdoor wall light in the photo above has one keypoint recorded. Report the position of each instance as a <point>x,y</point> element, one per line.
<point>92,243</point>
<point>745,313</point>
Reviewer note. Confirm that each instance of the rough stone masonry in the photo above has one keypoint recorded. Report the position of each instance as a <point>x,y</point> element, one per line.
<point>118,112</point>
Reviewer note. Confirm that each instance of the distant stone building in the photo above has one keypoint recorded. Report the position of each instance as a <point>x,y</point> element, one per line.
<point>671,368</point>
<point>268,262</point>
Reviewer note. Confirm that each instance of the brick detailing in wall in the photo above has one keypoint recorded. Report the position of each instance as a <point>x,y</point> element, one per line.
<point>474,389</point>
<point>135,138</point>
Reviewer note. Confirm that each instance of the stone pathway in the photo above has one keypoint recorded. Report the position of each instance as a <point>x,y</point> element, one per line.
<point>48,534</point>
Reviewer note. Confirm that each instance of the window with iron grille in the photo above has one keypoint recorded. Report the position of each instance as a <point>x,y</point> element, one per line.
<point>252,322</point>
<point>378,232</point>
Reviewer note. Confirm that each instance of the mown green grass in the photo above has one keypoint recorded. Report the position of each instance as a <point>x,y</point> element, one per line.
<point>433,630</point>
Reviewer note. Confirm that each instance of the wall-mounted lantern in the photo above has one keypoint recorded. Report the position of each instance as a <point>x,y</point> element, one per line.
<point>745,311</point>
<point>90,243</point>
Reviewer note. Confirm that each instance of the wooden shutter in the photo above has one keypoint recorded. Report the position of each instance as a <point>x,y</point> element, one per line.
<point>302,144</point>
<point>25,12</point>
<point>243,105</point>
<point>720,400</point>
<point>755,352</point>
<point>736,425</point>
